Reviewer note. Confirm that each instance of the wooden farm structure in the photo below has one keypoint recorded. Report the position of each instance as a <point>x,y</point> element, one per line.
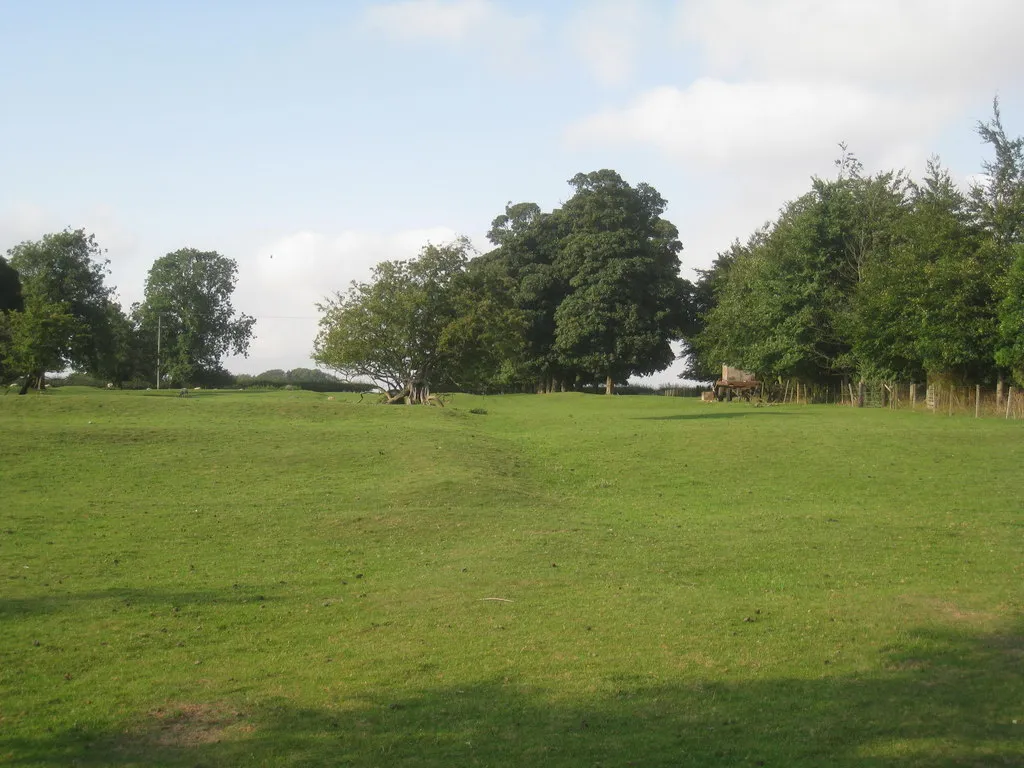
<point>736,383</point>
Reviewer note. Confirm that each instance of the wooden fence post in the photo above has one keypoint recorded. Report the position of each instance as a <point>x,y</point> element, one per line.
<point>1009,400</point>
<point>977,401</point>
<point>913,396</point>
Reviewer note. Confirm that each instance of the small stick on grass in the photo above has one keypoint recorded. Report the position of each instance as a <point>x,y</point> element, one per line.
<point>498,599</point>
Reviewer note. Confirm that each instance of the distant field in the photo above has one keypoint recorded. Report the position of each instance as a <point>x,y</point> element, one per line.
<point>284,579</point>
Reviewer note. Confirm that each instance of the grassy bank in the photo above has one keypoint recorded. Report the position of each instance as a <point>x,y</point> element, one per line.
<point>284,579</point>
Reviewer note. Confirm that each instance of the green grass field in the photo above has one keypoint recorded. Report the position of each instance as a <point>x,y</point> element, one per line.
<point>282,579</point>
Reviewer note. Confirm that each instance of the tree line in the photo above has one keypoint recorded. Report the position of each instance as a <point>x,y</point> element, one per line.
<point>877,277</point>
<point>872,277</point>
<point>588,292</point>
<point>58,313</point>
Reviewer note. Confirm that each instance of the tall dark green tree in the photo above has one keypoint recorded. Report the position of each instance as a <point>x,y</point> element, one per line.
<point>788,304</point>
<point>188,298</point>
<point>1010,342</point>
<point>122,352</point>
<point>998,204</point>
<point>998,200</point>
<point>11,300</point>
<point>527,247</point>
<point>926,308</point>
<point>62,276</point>
<point>956,292</point>
<point>626,301</point>
<point>706,295</point>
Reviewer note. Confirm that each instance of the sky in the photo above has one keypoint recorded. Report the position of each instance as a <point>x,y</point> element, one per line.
<point>310,140</point>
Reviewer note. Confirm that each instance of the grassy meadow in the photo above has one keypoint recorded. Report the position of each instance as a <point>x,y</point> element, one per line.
<point>287,579</point>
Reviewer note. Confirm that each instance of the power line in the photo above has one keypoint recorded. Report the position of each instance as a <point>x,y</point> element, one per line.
<point>284,317</point>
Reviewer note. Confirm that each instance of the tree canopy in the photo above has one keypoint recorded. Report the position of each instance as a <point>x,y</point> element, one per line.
<point>65,305</point>
<point>588,292</point>
<point>188,302</point>
<point>11,299</point>
<point>597,281</point>
<point>865,275</point>
<point>431,314</point>
<point>878,277</point>
<point>626,301</point>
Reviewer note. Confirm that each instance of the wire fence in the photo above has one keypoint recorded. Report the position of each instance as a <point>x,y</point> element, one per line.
<point>945,399</point>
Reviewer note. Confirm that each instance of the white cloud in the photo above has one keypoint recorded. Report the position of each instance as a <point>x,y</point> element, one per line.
<point>952,46</point>
<point>454,21</point>
<point>482,26</point>
<point>778,82</point>
<point>756,126</point>
<point>607,37</point>
<point>772,86</point>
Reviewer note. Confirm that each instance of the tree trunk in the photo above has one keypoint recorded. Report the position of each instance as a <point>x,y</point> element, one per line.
<point>36,377</point>
<point>416,392</point>
<point>609,386</point>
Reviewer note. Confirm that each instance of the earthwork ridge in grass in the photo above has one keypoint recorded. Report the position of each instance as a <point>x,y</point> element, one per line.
<point>282,579</point>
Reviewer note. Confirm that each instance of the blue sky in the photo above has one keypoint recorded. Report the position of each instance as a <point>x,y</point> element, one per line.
<point>333,135</point>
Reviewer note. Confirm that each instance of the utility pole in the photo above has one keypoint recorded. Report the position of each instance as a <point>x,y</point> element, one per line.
<point>158,329</point>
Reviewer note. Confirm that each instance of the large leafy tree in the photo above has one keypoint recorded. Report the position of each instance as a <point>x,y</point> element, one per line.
<point>123,354</point>
<point>188,298</point>
<point>66,304</point>
<point>432,314</point>
<point>998,199</point>
<point>38,339</point>
<point>527,246</point>
<point>1010,343</point>
<point>626,301</point>
<point>763,319</point>
<point>707,291</point>
<point>11,300</point>
<point>788,303</point>
<point>998,204</point>
<point>486,339</point>
<point>956,291</point>
<point>926,308</point>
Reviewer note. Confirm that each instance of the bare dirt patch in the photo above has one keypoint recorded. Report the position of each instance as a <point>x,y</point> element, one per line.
<point>930,608</point>
<point>188,725</point>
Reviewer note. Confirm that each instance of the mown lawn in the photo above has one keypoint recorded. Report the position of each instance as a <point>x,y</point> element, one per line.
<point>282,579</point>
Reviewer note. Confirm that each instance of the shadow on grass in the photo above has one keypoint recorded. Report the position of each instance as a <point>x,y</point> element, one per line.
<point>721,414</point>
<point>942,699</point>
<point>12,608</point>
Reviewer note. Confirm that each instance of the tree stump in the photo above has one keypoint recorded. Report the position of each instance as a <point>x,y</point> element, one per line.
<point>415,392</point>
